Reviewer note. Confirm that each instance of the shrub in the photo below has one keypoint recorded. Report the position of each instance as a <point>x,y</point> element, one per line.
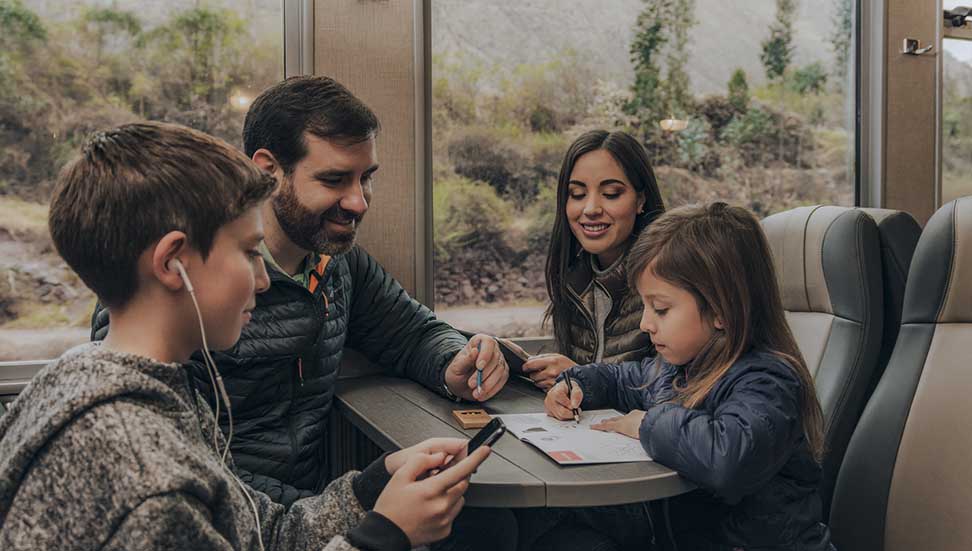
<point>467,214</point>
<point>455,87</point>
<point>693,144</point>
<point>757,136</point>
<point>739,91</point>
<point>482,156</point>
<point>512,164</point>
<point>718,112</point>
<point>546,97</point>
<point>541,215</point>
<point>811,79</point>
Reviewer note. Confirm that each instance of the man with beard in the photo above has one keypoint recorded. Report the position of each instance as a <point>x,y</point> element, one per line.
<point>325,293</point>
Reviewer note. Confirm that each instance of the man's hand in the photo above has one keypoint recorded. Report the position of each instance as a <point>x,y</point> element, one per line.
<point>627,425</point>
<point>560,406</point>
<point>451,447</point>
<point>482,352</point>
<point>544,368</point>
<point>424,507</point>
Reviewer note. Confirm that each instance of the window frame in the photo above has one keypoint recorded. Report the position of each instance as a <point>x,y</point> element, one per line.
<point>902,147</point>
<point>298,28</point>
<point>298,50</point>
<point>946,32</point>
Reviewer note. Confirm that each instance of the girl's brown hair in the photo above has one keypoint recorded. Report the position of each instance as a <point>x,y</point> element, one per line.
<point>719,254</point>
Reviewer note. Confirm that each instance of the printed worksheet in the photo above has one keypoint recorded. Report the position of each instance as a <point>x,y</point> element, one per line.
<point>570,443</point>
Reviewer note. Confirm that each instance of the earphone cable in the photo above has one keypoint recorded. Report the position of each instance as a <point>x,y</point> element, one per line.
<point>220,392</point>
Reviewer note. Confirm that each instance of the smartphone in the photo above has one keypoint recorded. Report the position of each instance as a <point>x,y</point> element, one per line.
<point>487,436</point>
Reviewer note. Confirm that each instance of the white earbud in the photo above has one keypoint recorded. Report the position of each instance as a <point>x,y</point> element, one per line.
<point>182,273</point>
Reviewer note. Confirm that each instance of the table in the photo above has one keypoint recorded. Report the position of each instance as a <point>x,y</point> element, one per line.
<point>397,413</point>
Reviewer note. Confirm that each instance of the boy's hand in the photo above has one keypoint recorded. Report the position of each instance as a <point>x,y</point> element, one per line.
<point>558,405</point>
<point>544,369</point>
<point>627,425</point>
<point>425,509</point>
<point>451,447</point>
<point>481,352</point>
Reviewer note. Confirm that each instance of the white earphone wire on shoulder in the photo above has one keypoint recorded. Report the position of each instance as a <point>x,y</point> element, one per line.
<point>219,392</point>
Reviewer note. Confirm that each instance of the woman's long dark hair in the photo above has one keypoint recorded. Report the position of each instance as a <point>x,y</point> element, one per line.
<point>633,158</point>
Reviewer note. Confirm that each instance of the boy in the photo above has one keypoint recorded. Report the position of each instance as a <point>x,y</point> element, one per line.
<point>110,447</point>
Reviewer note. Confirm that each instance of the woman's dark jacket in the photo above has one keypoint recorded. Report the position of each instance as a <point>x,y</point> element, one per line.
<point>623,338</point>
<point>744,446</point>
<point>281,375</point>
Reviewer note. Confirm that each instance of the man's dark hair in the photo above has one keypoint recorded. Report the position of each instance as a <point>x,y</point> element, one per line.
<point>133,184</point>
<point>320,105</point>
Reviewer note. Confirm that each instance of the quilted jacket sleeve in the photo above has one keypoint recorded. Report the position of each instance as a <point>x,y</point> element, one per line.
<point>739,440</point>
<point>620,386</point>
<point>395,331</point>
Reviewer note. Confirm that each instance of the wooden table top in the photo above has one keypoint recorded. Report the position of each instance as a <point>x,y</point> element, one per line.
<point>397,413</point>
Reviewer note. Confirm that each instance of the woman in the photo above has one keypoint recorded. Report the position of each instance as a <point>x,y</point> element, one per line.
<point>606,194</point>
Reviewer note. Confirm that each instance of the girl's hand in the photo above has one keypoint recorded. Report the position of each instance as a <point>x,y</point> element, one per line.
<point>558,405</point>
<point>544,369</point>
<point>627,425</point>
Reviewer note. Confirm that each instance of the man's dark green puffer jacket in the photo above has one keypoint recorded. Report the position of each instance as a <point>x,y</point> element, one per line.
<point>281,375</point>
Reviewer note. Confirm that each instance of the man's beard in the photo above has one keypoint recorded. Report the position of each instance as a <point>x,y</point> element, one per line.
<point>306,229</point>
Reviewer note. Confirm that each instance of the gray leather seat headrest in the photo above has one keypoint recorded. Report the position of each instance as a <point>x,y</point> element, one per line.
<point>938,268</point>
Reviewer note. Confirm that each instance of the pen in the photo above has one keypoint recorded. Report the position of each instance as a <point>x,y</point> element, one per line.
<point>479,372</point>
<point>570,390</point>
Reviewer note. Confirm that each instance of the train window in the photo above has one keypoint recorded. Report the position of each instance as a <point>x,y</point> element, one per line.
<point>956,106</point>
<point>766,91</point>
<point>67,69</point>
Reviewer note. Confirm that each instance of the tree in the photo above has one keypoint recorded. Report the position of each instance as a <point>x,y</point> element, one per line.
<point>778,48</point>
<point>661,32</point>
<point>19,25</point>
<point>682,19</point>
<point>20,31</point>
<point>100,24</point>
<point>778,53</point>
<point>739,91</point>
<point>197,58</point>
<point>841,38</point>
<point>649,38</point>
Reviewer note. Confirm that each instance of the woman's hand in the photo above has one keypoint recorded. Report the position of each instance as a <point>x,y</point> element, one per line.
<point>560,406</point>
<point>544,369</point>
<point>627,425</point>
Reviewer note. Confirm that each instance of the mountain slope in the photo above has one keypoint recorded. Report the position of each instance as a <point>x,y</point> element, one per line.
<point>727,35</point>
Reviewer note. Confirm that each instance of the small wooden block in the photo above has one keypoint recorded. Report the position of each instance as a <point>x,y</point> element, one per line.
<point>472,418</point>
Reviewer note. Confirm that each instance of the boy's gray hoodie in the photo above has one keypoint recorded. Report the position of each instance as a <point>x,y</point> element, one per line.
<point>105,450</point>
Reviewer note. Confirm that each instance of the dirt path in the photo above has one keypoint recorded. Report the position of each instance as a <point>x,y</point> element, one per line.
<point>38,344</point>
<point>509,321</point>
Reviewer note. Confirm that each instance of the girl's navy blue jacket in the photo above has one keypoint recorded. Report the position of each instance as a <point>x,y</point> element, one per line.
<point>744,446</point>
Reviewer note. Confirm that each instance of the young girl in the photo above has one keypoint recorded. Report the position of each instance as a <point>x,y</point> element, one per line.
<point>606,196</point>
<point>728,402</point>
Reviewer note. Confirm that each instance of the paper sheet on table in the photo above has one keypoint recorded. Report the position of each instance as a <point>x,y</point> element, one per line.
<point>569,443</point>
